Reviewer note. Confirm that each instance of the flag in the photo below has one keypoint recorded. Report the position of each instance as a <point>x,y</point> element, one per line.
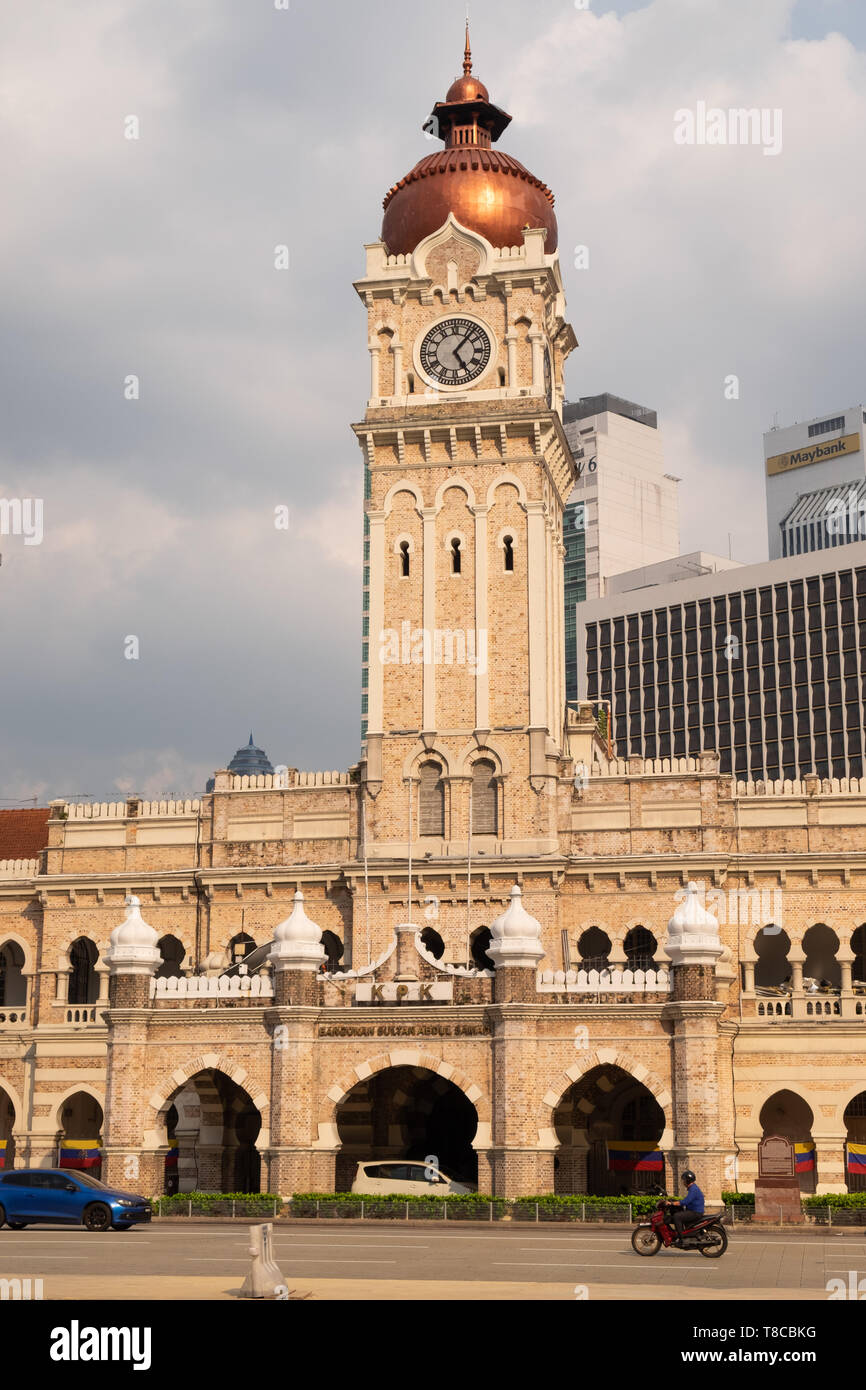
<point>171,1157</point>
<point>80,1153</point>
<point>634,1156</point>
<point>804,1157</point>
<point>3,1143</point>
<point>857,1158</point>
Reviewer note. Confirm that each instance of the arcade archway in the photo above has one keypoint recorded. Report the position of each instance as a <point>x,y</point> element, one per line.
<point>407,1112</point>
<point>211,1125</point>
<point>789,1115</point>
<point>7,1123</point>
<point>855,1124</point>
<point>81,1121</point>
<point>609,1127</point>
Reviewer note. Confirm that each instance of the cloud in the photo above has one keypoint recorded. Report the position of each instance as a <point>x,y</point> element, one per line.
<point>156,257</point>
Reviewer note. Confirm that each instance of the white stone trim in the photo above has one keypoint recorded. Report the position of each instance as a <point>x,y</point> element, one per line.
<point>502,480</point>
<point>404,485</point>
<point>458,482</point>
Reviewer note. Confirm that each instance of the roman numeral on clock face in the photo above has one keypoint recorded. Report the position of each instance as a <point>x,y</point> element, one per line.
<point>455,352</point>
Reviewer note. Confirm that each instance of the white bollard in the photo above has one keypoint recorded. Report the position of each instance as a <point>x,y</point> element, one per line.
<point>264,1279</point>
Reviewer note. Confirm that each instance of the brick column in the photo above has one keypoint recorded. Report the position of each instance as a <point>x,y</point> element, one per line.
<point>693,947</point>
<point>407,958</point>
<point>514,984</point>
<point>696,1102</point>
<point>132,958</point>
<point>296,957</point>
<point>829,1162</point>
<point>292,1163</point>
<point>519,1167</point>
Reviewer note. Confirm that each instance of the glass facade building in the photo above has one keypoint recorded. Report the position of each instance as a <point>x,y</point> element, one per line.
<point>574,539</point>
<point>771,675</point>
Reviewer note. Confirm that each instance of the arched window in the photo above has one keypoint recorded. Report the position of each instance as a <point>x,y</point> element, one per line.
<point>508,547</point>
<point>820,945</point>
<point>640,948</point>
<point>484,808</point>
<point>172,952</point>
<point>478,943</point>
<point>594,948</point>
<point>13,984</point>
<point>404,559</point>
<point>432,942</point>
<point>771,948</point>
<point>431,800</point>
<point>455,555</point>
<point>333,950</point>
<point>240,947</point>
<point>83,984</point>
<point>858,946</point>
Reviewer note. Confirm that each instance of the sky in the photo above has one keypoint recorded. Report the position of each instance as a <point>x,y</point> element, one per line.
<point>153,259</point>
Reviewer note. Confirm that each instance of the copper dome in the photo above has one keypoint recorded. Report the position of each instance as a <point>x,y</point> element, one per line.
<point>486,190</point>
<point>467,88</point>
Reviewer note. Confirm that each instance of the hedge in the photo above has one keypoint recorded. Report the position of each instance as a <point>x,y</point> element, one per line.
<point>837,1199</point>
<point>337,1204</point>
<point>217,1203</point>
<point>574,1208</point>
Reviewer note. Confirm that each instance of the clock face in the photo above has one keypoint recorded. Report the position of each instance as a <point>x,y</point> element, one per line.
<point>455,352</point>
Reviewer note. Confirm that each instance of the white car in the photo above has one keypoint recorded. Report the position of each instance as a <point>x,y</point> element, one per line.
<point>382,1178</point>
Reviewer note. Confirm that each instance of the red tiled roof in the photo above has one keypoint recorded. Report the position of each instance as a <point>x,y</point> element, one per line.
<point>23,833</point>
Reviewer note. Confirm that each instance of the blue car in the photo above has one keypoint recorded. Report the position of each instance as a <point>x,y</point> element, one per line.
<point>65,1196</point>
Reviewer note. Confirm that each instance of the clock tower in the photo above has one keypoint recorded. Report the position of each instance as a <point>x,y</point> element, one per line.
<point>467,471</point>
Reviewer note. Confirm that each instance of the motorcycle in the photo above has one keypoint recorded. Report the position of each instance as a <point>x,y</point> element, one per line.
<point>707,1235</point>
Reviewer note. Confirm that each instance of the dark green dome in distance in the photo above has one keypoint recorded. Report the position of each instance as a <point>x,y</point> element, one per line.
<point>248,761</point>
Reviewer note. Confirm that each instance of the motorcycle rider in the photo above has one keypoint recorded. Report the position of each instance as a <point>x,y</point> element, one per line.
<point>691,1208</point>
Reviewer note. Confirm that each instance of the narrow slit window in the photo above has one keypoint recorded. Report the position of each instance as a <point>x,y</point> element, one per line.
<point>455,556</point>
<point>431,800</point>
<point>508,545</point>
<point>404,559</point>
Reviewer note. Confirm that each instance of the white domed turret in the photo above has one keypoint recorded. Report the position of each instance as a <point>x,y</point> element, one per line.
<point>133,949</point>
<point>516,935</point>
<point>297,940</point>
<point>693,932</point>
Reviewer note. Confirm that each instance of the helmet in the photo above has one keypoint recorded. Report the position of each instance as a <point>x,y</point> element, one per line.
<point>688,1176</point>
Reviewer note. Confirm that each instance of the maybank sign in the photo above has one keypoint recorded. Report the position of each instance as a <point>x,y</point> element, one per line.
<point>814,453</point>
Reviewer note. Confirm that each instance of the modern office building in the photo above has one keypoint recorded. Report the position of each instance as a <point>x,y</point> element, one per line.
<point>692,566</point>
<point>623,511</point>
<point>763,664</point>
<point>815,472</point>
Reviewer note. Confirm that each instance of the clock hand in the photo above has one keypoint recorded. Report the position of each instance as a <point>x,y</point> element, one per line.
<point>457,350</point>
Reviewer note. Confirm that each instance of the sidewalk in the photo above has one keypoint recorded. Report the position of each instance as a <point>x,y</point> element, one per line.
<point>144,1288</point>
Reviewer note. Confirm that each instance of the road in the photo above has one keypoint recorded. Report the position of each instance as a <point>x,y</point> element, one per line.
<point>377,1261</point>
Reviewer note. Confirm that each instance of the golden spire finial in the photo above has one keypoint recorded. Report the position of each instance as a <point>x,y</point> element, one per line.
<point>467,53</point>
